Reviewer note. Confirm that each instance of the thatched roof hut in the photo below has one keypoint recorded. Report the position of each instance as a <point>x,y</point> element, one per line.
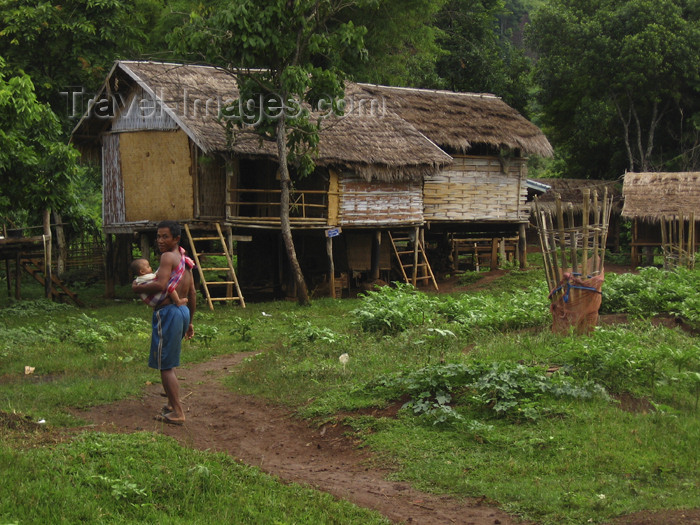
<point>460,121</point>
<point>650,196</point>
<point>385,148</point>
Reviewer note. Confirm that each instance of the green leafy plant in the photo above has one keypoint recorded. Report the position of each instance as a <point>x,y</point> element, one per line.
<point>243,328</point>
<point>314,334</point>
<point>393,309</point>
<point>206,334</point>
<point>89,340</point>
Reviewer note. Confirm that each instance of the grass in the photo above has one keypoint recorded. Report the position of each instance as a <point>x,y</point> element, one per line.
<point>498,406</point>
<point>147,478</point>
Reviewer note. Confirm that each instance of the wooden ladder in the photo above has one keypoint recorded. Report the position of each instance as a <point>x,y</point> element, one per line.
<point>410,254</point>
<point>200,258</point>
<point>59,290</point>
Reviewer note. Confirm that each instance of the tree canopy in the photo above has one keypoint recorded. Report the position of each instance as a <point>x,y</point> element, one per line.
<point>71,44</point>
<point>479,54</point>
<point>37,169</point>
<point>619,79</point>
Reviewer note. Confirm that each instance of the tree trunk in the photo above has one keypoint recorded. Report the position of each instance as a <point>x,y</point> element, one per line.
<point>285,182</point>
<point>47,252</point>
<point>62,256</point>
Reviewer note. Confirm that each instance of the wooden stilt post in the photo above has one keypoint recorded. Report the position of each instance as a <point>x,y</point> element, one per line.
<point>416,241</point>
<point>331,265</point>
<point>62,257</point>
<point>47,253</point>
<point>145,245</point>
<point>18,276</point>
<point>522,245</point>
<point>109,266</point>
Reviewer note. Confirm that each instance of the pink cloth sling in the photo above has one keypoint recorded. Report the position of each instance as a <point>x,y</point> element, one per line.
<point>175,278</point>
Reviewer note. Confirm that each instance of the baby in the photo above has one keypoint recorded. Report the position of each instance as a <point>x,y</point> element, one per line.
<point>143,273</point>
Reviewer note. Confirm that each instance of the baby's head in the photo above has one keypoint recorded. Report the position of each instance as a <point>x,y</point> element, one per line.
<point>140,267</point>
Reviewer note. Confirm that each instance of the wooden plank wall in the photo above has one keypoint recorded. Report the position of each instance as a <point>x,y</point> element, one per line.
<point>211,187</point>
<point>113,211</point>
<point>142,112</point>
<point>476,188</point>
<point>375,203</point>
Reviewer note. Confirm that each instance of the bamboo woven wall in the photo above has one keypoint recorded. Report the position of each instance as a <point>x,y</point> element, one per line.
<point>112,185</point>
<point>155,168</point>
<point>475,188</point>
<point>375,203</point>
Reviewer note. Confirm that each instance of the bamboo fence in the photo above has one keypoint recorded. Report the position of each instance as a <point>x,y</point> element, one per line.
<point>678,241</point>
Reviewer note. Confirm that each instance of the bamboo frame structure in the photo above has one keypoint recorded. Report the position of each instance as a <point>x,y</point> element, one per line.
<point>678,241</point>
<point>571,248</point>
<point>573,257</point>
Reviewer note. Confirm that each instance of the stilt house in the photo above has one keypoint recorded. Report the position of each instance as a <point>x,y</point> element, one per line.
<point>653,198</point>
<point>399,159</point>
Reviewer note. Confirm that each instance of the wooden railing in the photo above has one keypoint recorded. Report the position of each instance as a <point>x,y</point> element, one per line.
<point>265,204</point>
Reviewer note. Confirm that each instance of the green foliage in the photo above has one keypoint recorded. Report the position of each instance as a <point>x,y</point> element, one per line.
<point>394,309</point>
<point>626,362</point>
<point>243,328</point>
<point>401,42</point>
<point>70,44</point>
<point>31,308</point>
<point>313,334</point>
<point>479,55</point>
<point>89,340</point>
<point>652,291</point>
<point>206,333</point>
<point>505,390</point>
<point>612,74</point>
<point>36,169</point>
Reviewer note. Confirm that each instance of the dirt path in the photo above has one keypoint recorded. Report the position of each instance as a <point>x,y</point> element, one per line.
<point>325,458</point>
<point>270,438</point>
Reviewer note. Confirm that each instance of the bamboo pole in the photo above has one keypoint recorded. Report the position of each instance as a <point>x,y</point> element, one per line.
<point>664,241</point>
<point>555,262</point>
<point>607,206</point>
<point>584,258</point>
<point>691,240</point>
<point>415,256</point>
<point>596,233</point>
<point>573,238</point>
<point>562,238</point>
<point>539,219</point>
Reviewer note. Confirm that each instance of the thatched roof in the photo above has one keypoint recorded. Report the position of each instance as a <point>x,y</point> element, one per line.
<point>460,121</point>
<point>398,139</point>
<point>571,190</point>
<point>385,148</point>
<point>650,196</point>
